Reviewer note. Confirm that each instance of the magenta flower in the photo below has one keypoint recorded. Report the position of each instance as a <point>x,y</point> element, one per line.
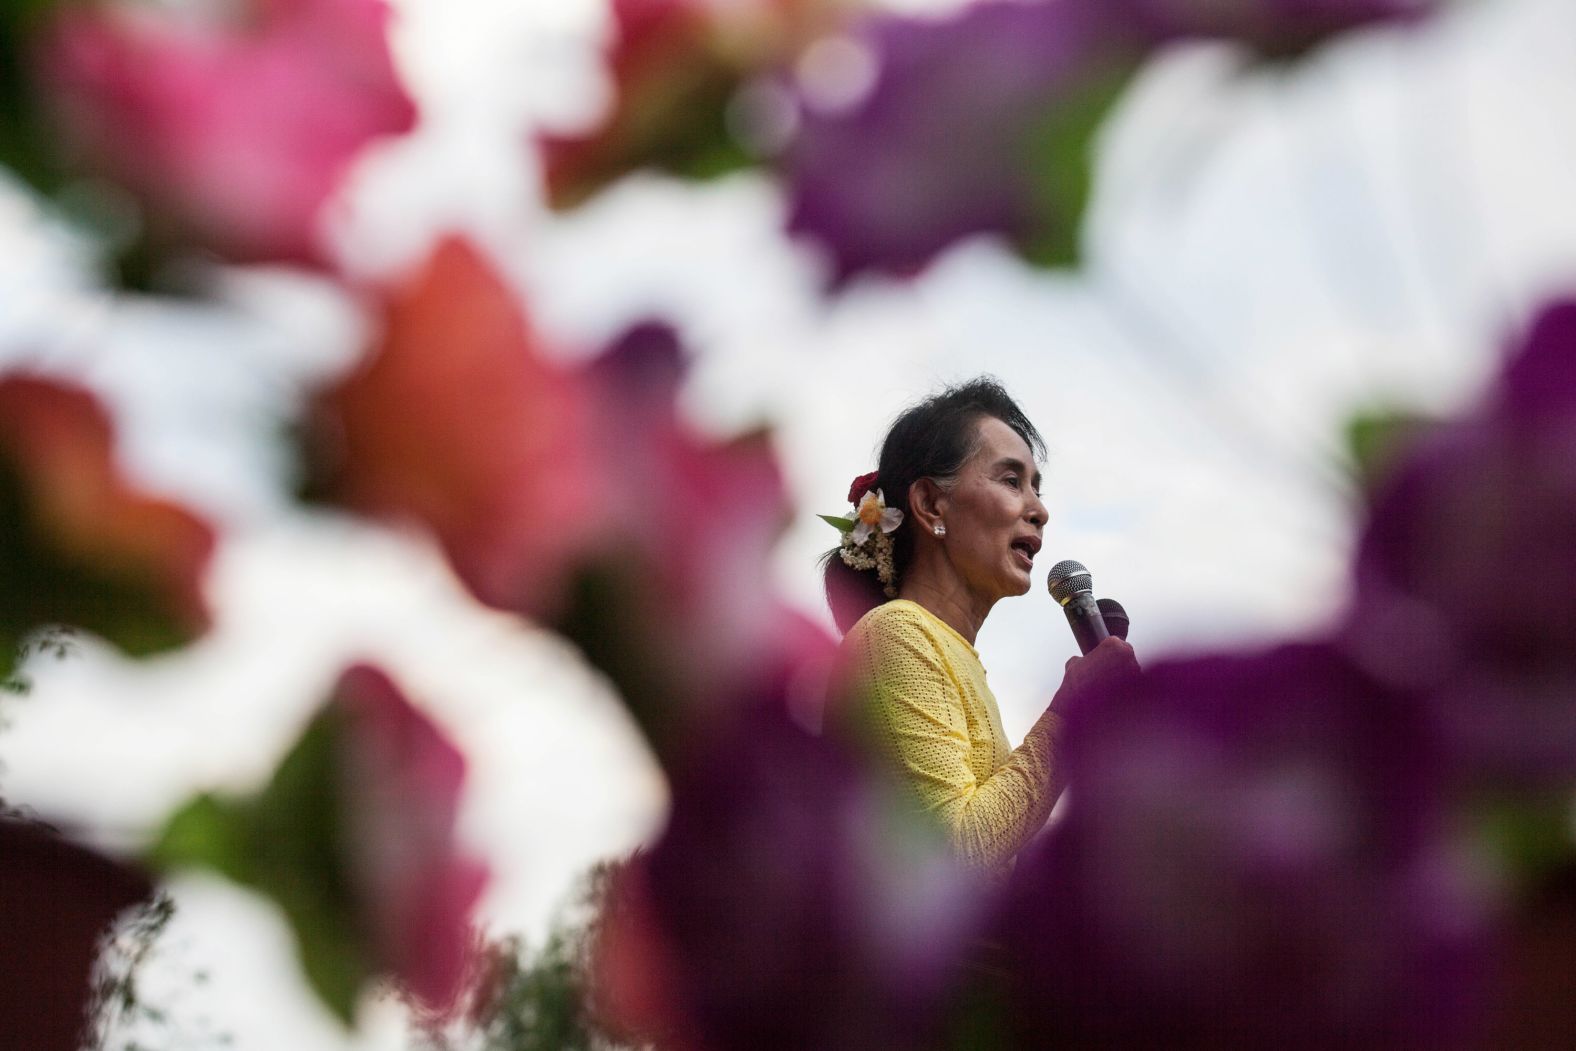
<point>1272,27</point>
<point>1466,572</point>
<point>788,905</point>
<point>57,900</point>
<point>400,782</point>
<point>354,839</point>
<point>1254,854</point>
<point>977,123</point>
<point>674,600</point>
<point>231,133</point>
<point>983,122</point>
<point>81,546</point>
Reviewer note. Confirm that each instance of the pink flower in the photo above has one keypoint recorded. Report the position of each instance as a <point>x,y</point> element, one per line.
<point>231,134</point>
<point>79,545</point>
<point>401,784</point>
<point>455,421</point>
<point>676,602</point>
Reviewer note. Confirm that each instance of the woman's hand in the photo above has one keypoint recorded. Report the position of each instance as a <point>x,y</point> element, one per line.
<point>1107,667</point>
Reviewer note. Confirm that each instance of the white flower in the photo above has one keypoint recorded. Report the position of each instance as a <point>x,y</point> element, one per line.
<point>873,513</point>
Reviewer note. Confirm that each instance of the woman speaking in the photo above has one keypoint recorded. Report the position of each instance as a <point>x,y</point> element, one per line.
<point>948,524</point>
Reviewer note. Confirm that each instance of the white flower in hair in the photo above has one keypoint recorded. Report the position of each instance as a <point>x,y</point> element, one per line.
<point>873,514</point>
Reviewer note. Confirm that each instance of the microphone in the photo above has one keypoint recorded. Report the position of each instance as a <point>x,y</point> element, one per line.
<point>1115,617</point>
<point>1073,589</point>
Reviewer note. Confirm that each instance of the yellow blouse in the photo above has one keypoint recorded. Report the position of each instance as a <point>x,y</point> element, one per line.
<point>923,695</point>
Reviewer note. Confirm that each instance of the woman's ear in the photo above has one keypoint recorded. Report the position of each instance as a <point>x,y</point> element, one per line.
<point>926,501</point>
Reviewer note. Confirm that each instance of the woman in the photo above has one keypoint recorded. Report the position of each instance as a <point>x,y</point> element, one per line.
<point>948,525</point>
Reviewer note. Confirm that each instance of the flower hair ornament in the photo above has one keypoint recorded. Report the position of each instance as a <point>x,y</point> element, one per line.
<point>867,536</point>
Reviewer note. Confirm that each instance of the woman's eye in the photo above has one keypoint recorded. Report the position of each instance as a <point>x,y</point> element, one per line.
<point>1012,480</point>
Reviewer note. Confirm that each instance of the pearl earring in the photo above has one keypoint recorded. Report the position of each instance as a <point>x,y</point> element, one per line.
<point>941,530</point>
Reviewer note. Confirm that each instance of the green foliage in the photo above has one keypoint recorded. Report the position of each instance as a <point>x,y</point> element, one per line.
<point>1530,838</point>
<point>518,1000</point>
<point>284,844</point>
<point>1061,161</point>
<point>45,587</point>
<point>842,525</point>
<point>1376,439</point>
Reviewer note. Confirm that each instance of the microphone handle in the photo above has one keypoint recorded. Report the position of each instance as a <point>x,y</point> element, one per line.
<point>1083,616</point>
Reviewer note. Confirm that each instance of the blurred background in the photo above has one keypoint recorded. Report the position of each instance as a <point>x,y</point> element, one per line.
<point>1268,250</point>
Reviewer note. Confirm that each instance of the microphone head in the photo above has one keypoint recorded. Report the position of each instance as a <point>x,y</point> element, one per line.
<point>1115,617</point>
<point>1068,578</point>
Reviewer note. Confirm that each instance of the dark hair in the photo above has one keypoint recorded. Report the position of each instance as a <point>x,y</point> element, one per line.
<point>930,440</point>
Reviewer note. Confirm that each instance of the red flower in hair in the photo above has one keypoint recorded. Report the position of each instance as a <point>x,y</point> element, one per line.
<point>862,485</point>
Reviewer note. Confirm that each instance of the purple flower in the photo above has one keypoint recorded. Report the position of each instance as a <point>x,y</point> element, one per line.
<point>1466,572</point>
<point>974,124</point>
<point>786,906</point>
<point>983,122</point>
<point>1253,855</point>
<point>1271,27</point>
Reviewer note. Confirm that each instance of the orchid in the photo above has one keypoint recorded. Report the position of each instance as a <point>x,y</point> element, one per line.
<point>977,123</point>
<point>1256,852</point>
<point>1474,503</point>
<point>789,904</point>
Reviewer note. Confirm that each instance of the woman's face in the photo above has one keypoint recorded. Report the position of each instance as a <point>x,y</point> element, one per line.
<point>993,514</point>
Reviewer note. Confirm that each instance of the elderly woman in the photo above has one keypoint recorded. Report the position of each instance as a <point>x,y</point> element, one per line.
<point>948,525</point>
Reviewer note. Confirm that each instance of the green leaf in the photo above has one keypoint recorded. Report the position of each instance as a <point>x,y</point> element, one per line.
<point>1377,438</point>
<point>1531,837</point>
<point>1061,160</point>
<point>207,832</point>
<point>842,525</point>
<point>287,844</point>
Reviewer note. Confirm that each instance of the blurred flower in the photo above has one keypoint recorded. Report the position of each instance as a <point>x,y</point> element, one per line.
<point>457,422</point>
<point>788,904</point>
<point>576,495</point>
<point>401,783</point>
<point>354,839</point>
<point>1254,854</point>
<point>676,602</point>
<point>676,66</point>
<point>1466,571</point>
<point>79,545</point>
<point>980,122</point>
<point>232,133</point>
<point>1277,28</point>
<point>57,901</point>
